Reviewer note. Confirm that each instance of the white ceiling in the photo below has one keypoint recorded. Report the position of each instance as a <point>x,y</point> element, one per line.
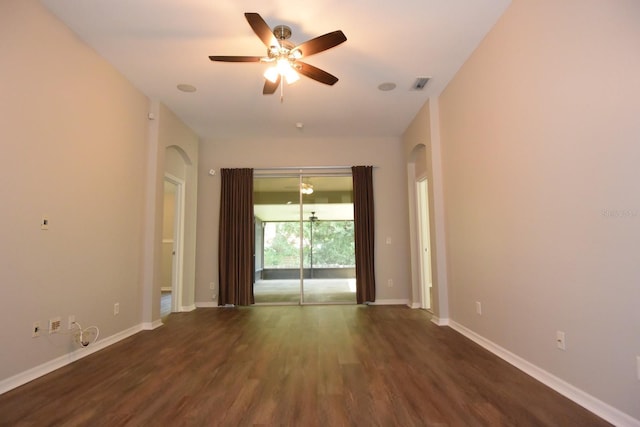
<point>158,44</point>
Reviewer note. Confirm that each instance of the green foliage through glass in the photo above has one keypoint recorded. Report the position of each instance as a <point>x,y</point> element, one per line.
<point>333,244</point>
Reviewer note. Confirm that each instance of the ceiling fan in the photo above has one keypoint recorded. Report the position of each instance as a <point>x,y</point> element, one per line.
<point>285,56</point>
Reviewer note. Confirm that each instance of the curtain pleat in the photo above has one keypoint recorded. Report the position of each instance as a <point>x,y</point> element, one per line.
<point>364,233</point>
<point>236,238</point>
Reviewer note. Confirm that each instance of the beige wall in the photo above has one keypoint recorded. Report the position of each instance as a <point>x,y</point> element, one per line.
<point>540,136</point>
<point>74,146</point>
<point>421,146</point>
<point>417,154</point>
<point>174,150</point>
<point>389,178</point>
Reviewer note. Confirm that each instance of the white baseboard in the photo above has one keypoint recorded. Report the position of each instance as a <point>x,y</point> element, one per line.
<point>188,308</point>
<point>207,304</point>
<point>150,326</point>
<point>390,302</point>
<point>214,304</point>
<point>415,305</point>
<point>440,321</point>
<point>57,363</point>
<point>598,407</point>
<point>166,289</point>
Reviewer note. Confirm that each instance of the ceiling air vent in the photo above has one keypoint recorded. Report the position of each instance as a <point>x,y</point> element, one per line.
<point>420,83</point>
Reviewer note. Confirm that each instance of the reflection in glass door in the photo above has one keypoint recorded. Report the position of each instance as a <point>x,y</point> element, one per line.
<point>328,244</point>
<point>304,239</point>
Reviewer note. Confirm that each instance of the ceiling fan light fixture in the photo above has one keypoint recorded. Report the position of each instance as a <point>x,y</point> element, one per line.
<point>306,188</point>
<point>286,70</point>
<point>271,74</point>
<point>291,76</point>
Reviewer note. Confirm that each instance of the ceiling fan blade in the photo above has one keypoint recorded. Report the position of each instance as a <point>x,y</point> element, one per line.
<point>270,87</point>
<point>261,29</point>
<point>321,43</point>
<point>315,73</point>
<point>235,58</point>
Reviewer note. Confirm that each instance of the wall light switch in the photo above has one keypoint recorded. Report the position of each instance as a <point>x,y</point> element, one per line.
<point>44,223</point>
<point>35,330</point>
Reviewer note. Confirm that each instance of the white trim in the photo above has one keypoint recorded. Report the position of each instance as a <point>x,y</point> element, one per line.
<point>390,302</point>
<point>593,404</point>
<point>166,289</point>
<point>177,261</point>
<point>64,360</point>
<point>187,308</point>
<point>440,321</point>
<point>415,305</point>
<point>150,326</point>
<point>413,245</point>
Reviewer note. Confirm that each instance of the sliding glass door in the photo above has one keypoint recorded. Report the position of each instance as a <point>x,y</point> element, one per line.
<point>304,239</point>
<point>328,243</point>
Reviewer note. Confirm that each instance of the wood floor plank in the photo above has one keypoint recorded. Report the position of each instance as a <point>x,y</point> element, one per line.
<point>306,366</point>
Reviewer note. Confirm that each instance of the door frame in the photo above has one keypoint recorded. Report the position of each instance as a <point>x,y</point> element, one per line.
<point>301,174</point>
<point>424,243</point>
<point>177,261</point>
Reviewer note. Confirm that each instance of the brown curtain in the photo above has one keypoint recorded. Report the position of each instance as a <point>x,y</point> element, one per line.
<point>364,233</point>
<point>236,240</point>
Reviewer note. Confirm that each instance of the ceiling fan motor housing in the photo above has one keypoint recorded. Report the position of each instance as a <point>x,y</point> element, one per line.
<point>282,32</point>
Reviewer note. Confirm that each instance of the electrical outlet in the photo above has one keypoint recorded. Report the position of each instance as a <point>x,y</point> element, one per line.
<point>479,308</point>
<point>212,285</point>
<point>560,341</point>
<point>35,330</point>
<point>54,325</point>
<point>116,309</point>
<point>71,321</point>
<point>390,283</point>
<point>44,222</point>
<point>638,366</point>
<point>213,297</point>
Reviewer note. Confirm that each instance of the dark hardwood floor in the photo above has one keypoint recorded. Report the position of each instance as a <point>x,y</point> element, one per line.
<point>302,366</point>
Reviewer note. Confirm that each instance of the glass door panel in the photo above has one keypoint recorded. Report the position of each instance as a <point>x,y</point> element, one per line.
<point>328,248</point>
<point>277,239</point>
<point>304,239</point>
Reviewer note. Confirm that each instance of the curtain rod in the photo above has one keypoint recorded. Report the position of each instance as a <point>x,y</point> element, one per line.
<point>303,168</point>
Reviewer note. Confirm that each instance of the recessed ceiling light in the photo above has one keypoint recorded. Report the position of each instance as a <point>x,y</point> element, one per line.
<point>186,88</point>
<point>386,86</point>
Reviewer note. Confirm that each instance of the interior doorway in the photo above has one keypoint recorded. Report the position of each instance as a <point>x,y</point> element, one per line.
<point>305,250</point>
<point>172,245</point>
<point>424,236</point>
